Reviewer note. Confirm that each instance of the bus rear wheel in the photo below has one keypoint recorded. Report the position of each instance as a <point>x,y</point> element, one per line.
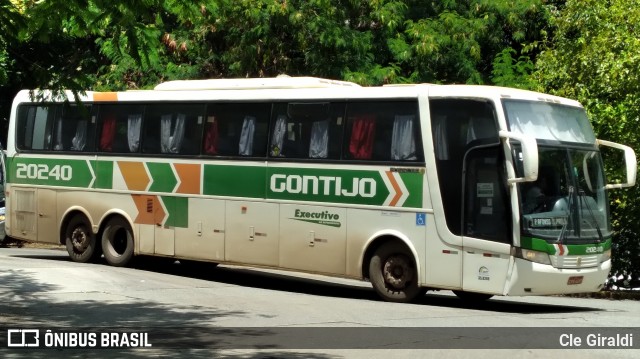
<point>393,274</point>
<point>117,242</point>
<point>80,240</point>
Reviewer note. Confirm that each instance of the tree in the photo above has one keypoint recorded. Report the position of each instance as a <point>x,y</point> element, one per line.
<point>594,58</point>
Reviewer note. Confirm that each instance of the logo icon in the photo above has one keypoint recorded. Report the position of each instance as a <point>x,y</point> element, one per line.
<point>23,338</point>
<point>483,273</point>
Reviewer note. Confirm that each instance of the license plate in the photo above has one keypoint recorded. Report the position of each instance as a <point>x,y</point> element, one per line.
<point>541,222</point>
<point>575,280</point>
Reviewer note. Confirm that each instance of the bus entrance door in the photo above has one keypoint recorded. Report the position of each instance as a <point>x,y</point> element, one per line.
<point>486,222</point>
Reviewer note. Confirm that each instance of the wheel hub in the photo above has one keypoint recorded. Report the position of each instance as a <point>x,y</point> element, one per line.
<point>79,239</point>
<point>397,272</point>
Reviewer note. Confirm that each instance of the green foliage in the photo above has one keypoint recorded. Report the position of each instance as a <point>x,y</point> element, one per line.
<point>510,72</point>
<point>10,23</point>
<point>127,44</point>
<point>594,58</point>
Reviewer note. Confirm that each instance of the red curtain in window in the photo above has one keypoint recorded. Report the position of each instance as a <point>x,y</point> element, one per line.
<point>211,138</point>
<point>362,133</point>
<point>108,133</point>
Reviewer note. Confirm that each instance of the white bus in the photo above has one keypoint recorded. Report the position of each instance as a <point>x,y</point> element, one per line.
<point>480,190</point>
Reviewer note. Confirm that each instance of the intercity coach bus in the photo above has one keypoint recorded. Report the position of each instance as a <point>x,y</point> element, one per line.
<point>476,189</point>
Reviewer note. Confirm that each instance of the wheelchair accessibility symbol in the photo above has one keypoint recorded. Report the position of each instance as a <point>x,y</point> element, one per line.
<point>421,219</point>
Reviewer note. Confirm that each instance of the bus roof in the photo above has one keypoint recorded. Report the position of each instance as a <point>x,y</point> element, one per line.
<point>300,88</point>
<point>280,82</point>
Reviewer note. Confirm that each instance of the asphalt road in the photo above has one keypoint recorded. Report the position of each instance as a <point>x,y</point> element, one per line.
<point>237,312</point>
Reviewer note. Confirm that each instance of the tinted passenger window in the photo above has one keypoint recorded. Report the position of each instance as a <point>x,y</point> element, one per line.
<point>173,128</point>
<point>34,126</point>
<point>236,129</point>
<point>74,130</point>
<point>120,128</point>
<point>383,131</point>
<point>306,130</point>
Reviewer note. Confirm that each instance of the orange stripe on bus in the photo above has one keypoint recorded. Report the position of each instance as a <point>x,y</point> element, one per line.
<point>396,187</point>
<point>189,175</point>
<point>149,209</point>
<point>135,176</point>
<point>105,96</point>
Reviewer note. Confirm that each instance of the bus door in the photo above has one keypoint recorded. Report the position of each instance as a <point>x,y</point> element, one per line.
<point>486,220</point>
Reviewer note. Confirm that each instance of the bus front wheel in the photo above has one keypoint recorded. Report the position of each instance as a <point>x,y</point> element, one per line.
<point>117,242</point>
<point>393,274</point>
<point>80,241</point>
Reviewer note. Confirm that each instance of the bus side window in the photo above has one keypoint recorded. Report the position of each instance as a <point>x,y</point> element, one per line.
<point>278,134</point>
<point>173,129</point>
<point>107,133</point>
<point>306,130</point>
<point>211,136</point>
<point>247,136</point>
<point>35,126</point>
<point>74,130</point>
<point>236,129</point>
<point>120,128</point>
<point>403,141</point>
<point>383,131</point>
<point>319,141</point>
<point>363,129</point>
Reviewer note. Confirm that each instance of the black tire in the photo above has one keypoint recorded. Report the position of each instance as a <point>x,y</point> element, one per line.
<point>393,274</point>
<point>472,297</point>
<point>80,240</point>
<point>117,242</point>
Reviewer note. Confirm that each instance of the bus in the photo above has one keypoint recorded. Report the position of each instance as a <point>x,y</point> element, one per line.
<point>479,190</point>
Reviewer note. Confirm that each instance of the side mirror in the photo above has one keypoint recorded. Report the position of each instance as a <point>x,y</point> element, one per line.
<point>630,162</point>
<point>529,156</point>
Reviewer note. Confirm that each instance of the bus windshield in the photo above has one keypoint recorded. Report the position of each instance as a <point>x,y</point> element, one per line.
<point>567,203</point>
<point>546,121</point>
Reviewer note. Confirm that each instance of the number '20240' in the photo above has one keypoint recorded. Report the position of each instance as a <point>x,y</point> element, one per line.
<point>44,172</point>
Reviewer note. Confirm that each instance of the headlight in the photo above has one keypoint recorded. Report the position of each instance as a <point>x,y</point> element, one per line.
<point>531,255</point>
<point>1,217</point>
<point>606,255</point>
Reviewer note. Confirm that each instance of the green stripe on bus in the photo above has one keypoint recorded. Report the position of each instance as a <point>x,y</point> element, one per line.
<point>234,181</point>
<point>346,186</point>
<point>51,172</point>
<point>104,174</point>
<point>537,244</point>
<point>365,187</point>
<point>178,211</point>
<point>162,177</point>
<point>413,181</point>
<point>541,245</point>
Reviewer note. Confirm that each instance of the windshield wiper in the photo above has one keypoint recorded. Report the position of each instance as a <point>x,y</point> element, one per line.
<point>566,223</point>
<point>593,216</point>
